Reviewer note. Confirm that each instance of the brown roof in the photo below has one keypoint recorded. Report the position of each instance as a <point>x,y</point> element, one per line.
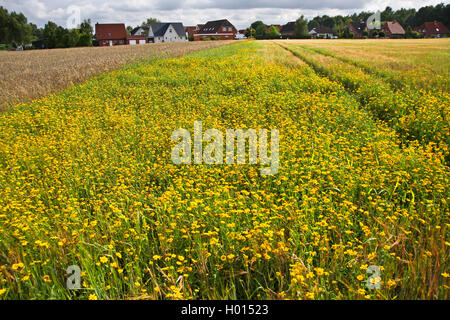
<point>431,28</point>
<point>110,31</point>
<point>214,26</point>
<point>393,27</point>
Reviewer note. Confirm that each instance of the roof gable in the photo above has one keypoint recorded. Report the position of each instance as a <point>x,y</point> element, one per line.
<point>435,27</point>
<point>160,28</point>
<point>288,27</point>
<point>214,26</point>
<point>110,31</point>
<point>393,27</point>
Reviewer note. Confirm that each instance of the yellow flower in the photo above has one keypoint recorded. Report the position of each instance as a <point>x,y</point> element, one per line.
<point>319,271</point>
<point>93,297</point>
<point>360,277</point>
<point>17,266</point>
<point>310,295</point>
<point>2,291</point>
<point>103,259</point>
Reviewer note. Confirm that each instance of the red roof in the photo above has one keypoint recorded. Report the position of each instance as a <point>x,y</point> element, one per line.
<point>393,27</point>
<point>110,31</point>
<point>432,28</point>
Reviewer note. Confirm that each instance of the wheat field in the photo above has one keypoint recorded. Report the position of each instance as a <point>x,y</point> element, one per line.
<point>29,75</point>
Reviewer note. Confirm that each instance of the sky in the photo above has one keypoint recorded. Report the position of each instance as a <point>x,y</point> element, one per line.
<point>241,13</point>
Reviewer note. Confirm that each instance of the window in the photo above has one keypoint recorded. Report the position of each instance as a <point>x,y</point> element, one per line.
<point>230,29</point>
<point>109,34</point>
<point>224,29</point>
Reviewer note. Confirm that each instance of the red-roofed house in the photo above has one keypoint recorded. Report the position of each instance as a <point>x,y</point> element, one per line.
<point>434,29</point>
<point>393,29</point>
<point>115,34</point>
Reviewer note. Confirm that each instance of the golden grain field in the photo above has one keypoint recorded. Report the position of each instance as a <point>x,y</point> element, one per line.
<point>32,74</point>
<point>87,178</point>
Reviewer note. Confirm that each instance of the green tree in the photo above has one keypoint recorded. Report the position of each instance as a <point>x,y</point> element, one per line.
<point>301,27</point>
<point>274,31</point>
<point>148,22</point>
<point>85,40</point>
<point>14,28</point>
<point>256,24</point>
<point>261,30</point>
<point>71,38</point>
<point>86,27</point>
<point>50,36</point>
<point>250,32</point>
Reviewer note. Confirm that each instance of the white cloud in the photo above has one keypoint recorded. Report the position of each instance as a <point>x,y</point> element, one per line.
<point>241,13</point>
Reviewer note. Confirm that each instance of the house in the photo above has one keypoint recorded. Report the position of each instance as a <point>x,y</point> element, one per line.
<point>393,29</point>
<point>433,29</point>
<point>139,31</point>
<point>115,34</point>
<point>136,39</point>
<point>110,34</point>
<point>288,29</point>
<point>219,29</point>
<point>191,30</point>
<point>357,28</point>
<point>166,32</point>
<point>322,32</point>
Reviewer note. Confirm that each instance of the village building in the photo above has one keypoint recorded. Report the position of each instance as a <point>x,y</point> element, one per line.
<point>357,28</point>
<point>219,29</point>
<point>115,34</point>
<point>434,29</point>
<point>192,30</point>
<point>288,29</point>
<point>166,32</point>
<point>322,32</point>
<point>393,29</point>
<point>139,31</point>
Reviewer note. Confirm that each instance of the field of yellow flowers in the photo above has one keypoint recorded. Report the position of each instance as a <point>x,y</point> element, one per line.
<point>87,180</point>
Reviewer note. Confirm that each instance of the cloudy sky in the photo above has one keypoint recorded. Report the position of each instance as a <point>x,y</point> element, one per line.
<point>240,12</point>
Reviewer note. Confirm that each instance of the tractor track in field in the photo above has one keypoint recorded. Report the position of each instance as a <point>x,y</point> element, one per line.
<point>366,101</point>
<point>395,84</point>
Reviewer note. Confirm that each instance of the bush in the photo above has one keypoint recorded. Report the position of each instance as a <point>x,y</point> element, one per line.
<point>85,40</point>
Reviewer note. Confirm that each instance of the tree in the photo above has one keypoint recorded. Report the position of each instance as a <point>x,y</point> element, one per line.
<point>149,21</point>
<point>250,32</point>
<point>86,27</point>
<point>50,36</point>
<point>274,31</point>
<point>129,29</point>
<point>261,30</point>
<point>256,24</point>
<point>301,27</point>
<point>14,28</point>
<point>85,40</point>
